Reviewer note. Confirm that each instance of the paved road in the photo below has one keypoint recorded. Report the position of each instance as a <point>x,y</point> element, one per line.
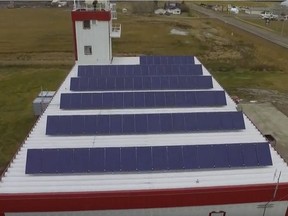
<point>271,36</point>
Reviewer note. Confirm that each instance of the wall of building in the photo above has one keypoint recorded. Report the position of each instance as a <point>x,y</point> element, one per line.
<point>251,209</point>
<point>96,37</point>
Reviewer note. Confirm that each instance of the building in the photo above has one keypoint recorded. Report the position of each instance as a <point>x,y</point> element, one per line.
<point>148,135</point>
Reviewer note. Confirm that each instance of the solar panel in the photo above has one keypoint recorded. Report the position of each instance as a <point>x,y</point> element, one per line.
<point>112,160</point>
<point>159,157</point>
<point>65,161</point>
<point>144,159</point>
<point>175,157</point>
<point>249,155</point>
<point>263,154</point>
<point>97,160</point>
<point>148,83</point>
<point>235,156</point>
<point>128,159</point>
<point>190,157</point>
<point>118,100</point>
<point>50,161</point>
<point>221,156</point>
<point>81,160</point>
<point>166,60</point>
<point>205,157</point>
<point>34,161</point>
<point>155,158</point>
<point>140,123</point>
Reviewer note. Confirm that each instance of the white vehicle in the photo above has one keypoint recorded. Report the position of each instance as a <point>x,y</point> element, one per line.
<point>59,3</point>
<point>269,15</point>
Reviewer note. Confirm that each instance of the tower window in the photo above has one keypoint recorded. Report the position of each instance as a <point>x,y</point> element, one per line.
<point>86,24</point>
<point>88,50</point>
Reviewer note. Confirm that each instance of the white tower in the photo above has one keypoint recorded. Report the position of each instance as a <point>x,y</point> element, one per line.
<point>93,30</point>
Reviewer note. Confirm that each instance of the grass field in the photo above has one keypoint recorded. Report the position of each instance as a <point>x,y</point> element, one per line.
<point>279,27</point>
<point>37,52</point>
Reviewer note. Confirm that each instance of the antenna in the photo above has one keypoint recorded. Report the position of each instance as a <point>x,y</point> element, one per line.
<point>274,194</point>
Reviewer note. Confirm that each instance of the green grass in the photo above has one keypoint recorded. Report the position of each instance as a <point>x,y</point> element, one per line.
<point>279,27</point>
<point>37,52</point>
<point>19,86</point>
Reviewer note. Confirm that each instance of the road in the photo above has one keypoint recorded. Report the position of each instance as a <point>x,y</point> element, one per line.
<point>231,20</point>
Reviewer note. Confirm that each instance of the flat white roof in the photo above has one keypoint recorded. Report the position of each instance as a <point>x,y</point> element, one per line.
<point>16,181</point>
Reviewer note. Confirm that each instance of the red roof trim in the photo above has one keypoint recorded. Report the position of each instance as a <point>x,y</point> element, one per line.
<point>81,15</point>
<point>140,199</point>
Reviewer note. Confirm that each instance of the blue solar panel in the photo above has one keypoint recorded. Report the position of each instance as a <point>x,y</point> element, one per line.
<point>235,156</point>
<point>118,101</point>
<point>103,124</point>
<point>116,124</point>
<point>50,161</point>
<point>74,101</point>
<point>154,125</point>
<point>175,157</point>
<point>65,161</point>
<point>221,156</point>
<point>140,123</point>
<point>178,122</point>
<point>190,157</point>
<point>263,154</point>
<point>144,159</point>
<point>128,99</point>
<point>129,124</point>
<point>148,83</point>
<point>86,102</point>
<point>159,158</point>
<point>65,101</point>
<point>108,100</point>
<point>112,160</point>
<point>78,124</point>
<point>249,155</point>
<point>51,126</point>
<point>64,125</point>
<point>166,122</point>
<point>156,158</point>
<point>90,125</point>
<point>191,122</point>
<point>34,161</point>
<point>166,60</point>
<point>139,99</point>
<point>97,160</point>
<point>205,157</point>
<point>128,159</point>
<point>81,160</point>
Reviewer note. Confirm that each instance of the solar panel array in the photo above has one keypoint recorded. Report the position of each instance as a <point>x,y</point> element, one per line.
<point>154,60</point>
<point>140,83</point>
<point>132,87</point>
<point>118,100</point>
<point>156,158</point>
<point>143,123</point>
<point>138,70</point>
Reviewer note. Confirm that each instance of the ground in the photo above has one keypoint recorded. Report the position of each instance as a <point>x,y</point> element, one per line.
<point>37,53</point>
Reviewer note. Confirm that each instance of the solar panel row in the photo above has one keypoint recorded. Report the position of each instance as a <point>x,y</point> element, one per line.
<point>140,83</point>
<point>143,123</point>
<point>158,158</point>
<point>166,60</point>
<point>138,70</point>
<point>118,100</point>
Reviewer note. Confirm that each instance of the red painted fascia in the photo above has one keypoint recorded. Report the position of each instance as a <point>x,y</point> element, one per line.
<point>81,201</point>
<point>80,15</point>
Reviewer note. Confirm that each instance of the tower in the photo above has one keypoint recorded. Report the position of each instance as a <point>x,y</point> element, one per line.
<point>93,32</point>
